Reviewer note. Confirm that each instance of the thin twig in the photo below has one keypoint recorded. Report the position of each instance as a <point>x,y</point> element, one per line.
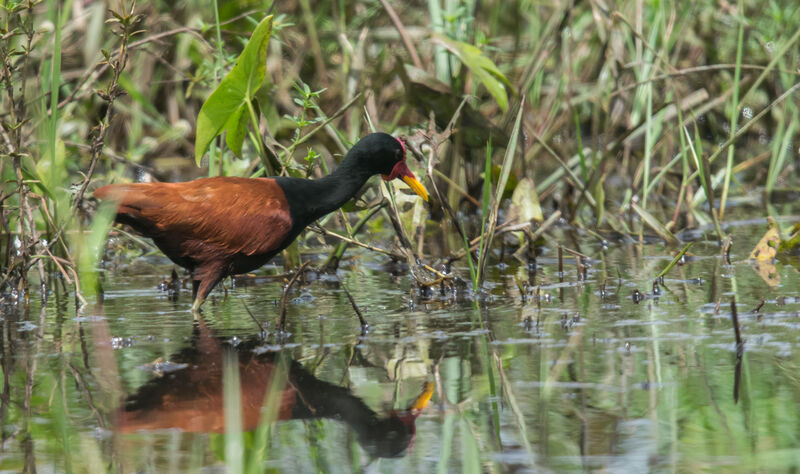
<point>117,65</point>
<point>285,295</point>
<point>685,72</point>
<point>116,157</point>
<point>503,228</point>
<point>363,321</point>
<point>332,262</point>
<point>252,316</point>
<point>325,232</point>
<point>412,51</point>
<point>92,74</point>
<point>433,141</point>
<point>575,253</point>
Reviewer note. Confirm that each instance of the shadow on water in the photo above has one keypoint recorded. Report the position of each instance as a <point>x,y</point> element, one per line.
<point>190,396</point>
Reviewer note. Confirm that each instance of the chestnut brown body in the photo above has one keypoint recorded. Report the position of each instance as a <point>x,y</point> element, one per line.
<point>213,226</point>
<point>217,227</point>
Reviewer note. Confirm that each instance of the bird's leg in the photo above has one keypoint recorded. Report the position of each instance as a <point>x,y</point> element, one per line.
<point>204,286</point>
<point>280,331</point>
<point>196,302</point>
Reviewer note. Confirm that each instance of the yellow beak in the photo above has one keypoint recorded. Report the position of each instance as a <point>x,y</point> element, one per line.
<point>416,186</point>
<point>423,399</point>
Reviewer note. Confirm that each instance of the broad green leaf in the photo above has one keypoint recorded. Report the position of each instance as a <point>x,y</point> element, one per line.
<point>237,129</point>
<point>482,67</point>
<point>226,107</point>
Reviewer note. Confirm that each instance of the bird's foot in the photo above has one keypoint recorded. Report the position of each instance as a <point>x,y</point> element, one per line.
<point>196,307</point>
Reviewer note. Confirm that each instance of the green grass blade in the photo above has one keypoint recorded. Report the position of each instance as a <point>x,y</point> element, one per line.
<point>232,402</point>
<point>505,171</point>
<point>675,260</point>
<point>734,111</point>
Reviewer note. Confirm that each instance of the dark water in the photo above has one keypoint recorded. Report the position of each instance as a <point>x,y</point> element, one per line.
<point>583,378</point>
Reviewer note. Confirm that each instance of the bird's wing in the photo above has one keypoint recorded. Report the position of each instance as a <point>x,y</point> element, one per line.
<point>237,215</point>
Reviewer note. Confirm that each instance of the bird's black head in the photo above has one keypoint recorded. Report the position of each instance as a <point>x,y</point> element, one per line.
<point>383,154</point>
<point>388,438</point>
<point>379,153</point>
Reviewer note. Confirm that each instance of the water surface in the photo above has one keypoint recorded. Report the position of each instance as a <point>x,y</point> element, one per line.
<point>576,375</point>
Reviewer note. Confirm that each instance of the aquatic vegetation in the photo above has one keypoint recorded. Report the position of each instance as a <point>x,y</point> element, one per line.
<point>573,154</point>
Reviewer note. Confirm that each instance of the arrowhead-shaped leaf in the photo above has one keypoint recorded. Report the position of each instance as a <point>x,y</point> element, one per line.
<point>226,107</point>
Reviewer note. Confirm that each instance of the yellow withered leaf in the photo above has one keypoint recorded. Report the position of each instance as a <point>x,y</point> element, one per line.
<point>767,247</point>
<point>768,272</point>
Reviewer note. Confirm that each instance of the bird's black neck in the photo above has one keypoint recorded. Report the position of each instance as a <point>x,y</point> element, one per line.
<point>311,199</point>
<point>382,437</point>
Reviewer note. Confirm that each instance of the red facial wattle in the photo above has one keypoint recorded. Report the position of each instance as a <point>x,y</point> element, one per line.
<point>402,144</point>
<point>400,170</point>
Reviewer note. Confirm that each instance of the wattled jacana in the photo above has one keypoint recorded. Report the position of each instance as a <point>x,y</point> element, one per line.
<point>223,226</point>
<point>193,398</point>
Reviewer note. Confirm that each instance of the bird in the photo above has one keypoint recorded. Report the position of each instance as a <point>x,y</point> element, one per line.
<point>220,226</point>
<point>192,399</point>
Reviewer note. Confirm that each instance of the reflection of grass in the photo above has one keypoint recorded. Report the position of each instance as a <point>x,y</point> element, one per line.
<point>692,412</point>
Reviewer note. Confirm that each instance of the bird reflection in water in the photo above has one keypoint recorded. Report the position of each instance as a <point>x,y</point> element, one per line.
<point>191,399</point>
